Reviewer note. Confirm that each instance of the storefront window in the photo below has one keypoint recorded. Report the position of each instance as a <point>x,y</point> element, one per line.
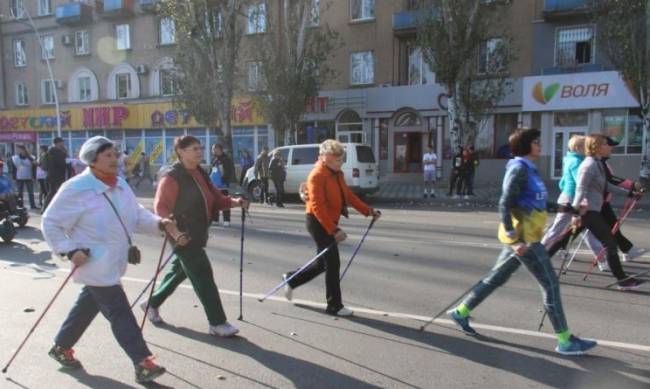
<point>170,135</point>
<point>45,139</point>
<point>504,125</point>
<point>92,133</point>
<point>243,138</point>
<point>77,138</point>
<point>133,145</point>
<point>626,128</point>
<point>153,146</point>
<point>571,119</point>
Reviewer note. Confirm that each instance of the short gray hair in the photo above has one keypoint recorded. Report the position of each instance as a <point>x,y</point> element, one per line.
<point>331,147</point>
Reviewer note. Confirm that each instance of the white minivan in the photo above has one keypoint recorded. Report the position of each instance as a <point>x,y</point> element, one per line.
<point>360,169</point>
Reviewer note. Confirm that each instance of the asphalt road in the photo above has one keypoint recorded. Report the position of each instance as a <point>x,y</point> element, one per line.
<point>413,263</point>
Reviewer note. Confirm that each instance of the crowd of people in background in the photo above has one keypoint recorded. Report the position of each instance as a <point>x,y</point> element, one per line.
<point>463,168</point>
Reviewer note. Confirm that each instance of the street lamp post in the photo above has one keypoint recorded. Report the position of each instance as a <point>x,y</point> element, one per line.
<point>47,63</point>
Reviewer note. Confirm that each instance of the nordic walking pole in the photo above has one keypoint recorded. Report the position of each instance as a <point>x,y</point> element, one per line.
<point>153,281</point>
<point>446,308</point>
<point>283,283</point>
<point>241,266</point>
<point>356,249</point>
<point>575,252</point>
<point>31,331</point>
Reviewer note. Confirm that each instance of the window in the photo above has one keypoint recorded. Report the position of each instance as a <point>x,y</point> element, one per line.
<point>419,70</point>
<point>123,85</point>
<point>166,82</point>
<point>214,23</point>
<point>84,89</point>
<point>47,91</point>
<point>82,42</point>
<point>256,16</point>
<point>21,94</point>
<point>122,37</point>
<point>44,7</point>
<point>47,50</point>
<point>314,13</point>
<point>20,56</point>
<point>626,127</point>
<point>362,68</point>
<point>365,155</point>
<point>255,76</point>
<point>349,128</point>
<point>362,9</point>
<point>17,9</point>
<point>574,46</point>
<point>491,55</point>
<point>571,119</point>
<point>167,31</point>
<point>304,155</point>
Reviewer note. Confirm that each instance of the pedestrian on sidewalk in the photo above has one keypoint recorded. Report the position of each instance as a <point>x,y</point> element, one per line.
<point>262,173</point>
<point>278,174</point>
<point>328,197</point>
<point>144,170</point>
<point>56,167</point>
<point>456,179</point>
<point>186,192</point>
<point>246,162</point>
<point>25,167</point>
<point>225,165</point>
<point>591,185</point>
<point>82,225</point>
<point>429,160</point>
<point>41,175</point>
<point>470,163</point>
<point>522,208</point>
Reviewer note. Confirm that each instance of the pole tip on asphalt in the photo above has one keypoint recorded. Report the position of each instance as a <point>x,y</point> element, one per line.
<point>4,371</point>
<point>260,300</point>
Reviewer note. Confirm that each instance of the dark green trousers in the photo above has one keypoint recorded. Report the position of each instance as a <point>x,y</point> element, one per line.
<point>192,263</point>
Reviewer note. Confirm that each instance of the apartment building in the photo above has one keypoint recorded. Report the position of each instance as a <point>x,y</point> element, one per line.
<point>585,94</point>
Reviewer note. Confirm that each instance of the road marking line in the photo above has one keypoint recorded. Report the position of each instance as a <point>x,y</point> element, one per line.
<point>398,315</point>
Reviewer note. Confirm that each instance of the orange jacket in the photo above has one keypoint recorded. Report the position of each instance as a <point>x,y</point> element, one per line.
<point>325,200</point>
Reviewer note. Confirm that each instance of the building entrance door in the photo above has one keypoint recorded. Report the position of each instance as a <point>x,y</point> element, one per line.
<point>561,138</point>
<point>407,152</point>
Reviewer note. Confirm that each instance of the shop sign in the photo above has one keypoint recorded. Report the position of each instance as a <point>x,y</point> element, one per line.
<point>12,137</point>
<point>577,91</point>
<point>169,118</point>
<point>102,117</point>
<point>33,122</point>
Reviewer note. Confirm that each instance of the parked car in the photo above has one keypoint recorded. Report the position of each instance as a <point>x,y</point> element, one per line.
<point>360,169</point>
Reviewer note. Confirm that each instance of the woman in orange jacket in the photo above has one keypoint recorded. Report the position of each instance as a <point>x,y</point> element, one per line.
<point>327,199</point>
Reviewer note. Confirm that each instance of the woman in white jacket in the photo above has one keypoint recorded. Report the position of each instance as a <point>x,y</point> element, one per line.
<point>81,224</point>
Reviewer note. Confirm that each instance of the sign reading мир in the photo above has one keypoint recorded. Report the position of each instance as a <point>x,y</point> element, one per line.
<point>577,91</point>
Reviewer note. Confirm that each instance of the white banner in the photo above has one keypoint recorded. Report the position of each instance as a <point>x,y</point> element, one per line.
<point>577,91</point>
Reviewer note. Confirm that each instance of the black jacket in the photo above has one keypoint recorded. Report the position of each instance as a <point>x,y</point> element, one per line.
<point>190,211</point>
<point>56,166</point>
<point>276,169</point>
<point>227,168</point>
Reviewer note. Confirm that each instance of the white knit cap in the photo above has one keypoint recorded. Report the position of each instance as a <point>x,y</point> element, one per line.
<point>88,152</point>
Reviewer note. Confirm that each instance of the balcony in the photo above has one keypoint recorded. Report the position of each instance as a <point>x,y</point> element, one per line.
<point>558,9</point>
<point>584,68</point>
<point>114,9</point>
<point>74,14</point>
<point>406,22</point>
<point>149,5</point>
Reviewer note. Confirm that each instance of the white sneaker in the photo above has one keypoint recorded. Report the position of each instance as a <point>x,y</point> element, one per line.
<point>345,311</point>
<point>288,290</point>
<point>152,313</point>
<point>633,254</point>
<point>224,330</point>
<point>226,224</point>
<point>603,265</point>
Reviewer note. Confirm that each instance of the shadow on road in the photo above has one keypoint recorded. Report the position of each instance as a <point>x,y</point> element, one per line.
<point>23,255</point>
<point>301,373</point>
<point>592,370</point>
<point>97,381</point>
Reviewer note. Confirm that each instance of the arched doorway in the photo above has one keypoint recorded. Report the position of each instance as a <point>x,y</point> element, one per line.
<point>407,142</point>
<point>349,127</point>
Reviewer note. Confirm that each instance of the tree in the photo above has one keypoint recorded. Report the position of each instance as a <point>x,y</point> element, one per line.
<point>205,62</point>
<point>294,62</point>
<point>467,47</point>
<point>623,29</point>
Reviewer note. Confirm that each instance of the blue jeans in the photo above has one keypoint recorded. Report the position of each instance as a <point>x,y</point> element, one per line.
<point>111,301</point>
<point>539,265</point>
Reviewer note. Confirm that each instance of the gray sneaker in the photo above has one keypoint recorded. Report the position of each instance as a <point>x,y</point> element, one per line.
<point>152,313</point>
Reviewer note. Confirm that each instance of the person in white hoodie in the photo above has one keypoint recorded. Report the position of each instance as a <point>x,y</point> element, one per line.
<point>25,163</point>
<point>89,221</point>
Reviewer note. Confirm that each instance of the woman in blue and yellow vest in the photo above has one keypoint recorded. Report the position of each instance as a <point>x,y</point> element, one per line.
<point>522,209</point>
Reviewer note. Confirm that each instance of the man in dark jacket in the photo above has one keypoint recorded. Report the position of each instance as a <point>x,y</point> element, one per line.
<point>278,176</point>
<point>56,168</point>
<point>262,173</point>
<point>456,173</point>
<point>223,162</point>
